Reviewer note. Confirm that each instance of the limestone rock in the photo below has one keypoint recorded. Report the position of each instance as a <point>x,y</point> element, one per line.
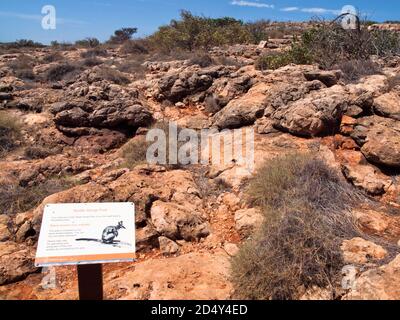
<point>377,284</point>
<point>388,105</point>
<point>247,221</point>
<point>177,222</point>
<point>167,246</point>
<point>360,251</point>
<point>191,276</point>
<point>16,262</point>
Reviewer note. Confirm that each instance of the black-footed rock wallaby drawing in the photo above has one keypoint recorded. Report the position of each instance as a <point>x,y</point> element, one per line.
<point>109,234</point>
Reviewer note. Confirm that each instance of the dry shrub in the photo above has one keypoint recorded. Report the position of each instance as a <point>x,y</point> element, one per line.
<point>134,66</point>
<point>93,53</point>
<point>138,46</point>
<point>306,208</point>
<point>91,62</point>
<point>353,70</point>
<point>134,152</point>
<point>52,57</point>
<point>113,75</point>
<point>10,132</point>
<point>37,152</point>
<point>393,82</point>
<point>15,199</point>
<point>58,72</point>
<point>202,59</point>
<point>22,67</point>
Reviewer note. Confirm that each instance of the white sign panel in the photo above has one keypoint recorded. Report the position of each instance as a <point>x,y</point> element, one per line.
<point>86,233</point>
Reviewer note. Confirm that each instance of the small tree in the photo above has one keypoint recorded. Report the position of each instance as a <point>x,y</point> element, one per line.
<point>122,35</point>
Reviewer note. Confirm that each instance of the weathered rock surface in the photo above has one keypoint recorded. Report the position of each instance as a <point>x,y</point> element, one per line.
<point>388,105</point>
<point>115,114</point>
<point>176,222</point>
<point>16,262</point>
<point>377,284</point>
<point>328,78</point>
<point>379,139</point>
<point>360,251</point>
<point>244,110</point>
<point>191,276</point>
<point>247,221</point>
<point>317,114</point>
<point>367,178</point>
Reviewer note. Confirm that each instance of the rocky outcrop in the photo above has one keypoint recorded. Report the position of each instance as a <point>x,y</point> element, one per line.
<point>16,262</point>
<point>360,251</point>
<point>176,222</point>
<point>195,276</point>
<point>111,115</point>
<point>244,110</point>
<point>317,114</point>
<point>367,178</point>
<point>247,221</point>
<point>388,105</point>
<point>377,284</point>
<point>379,139</point>
<point>177,86</point>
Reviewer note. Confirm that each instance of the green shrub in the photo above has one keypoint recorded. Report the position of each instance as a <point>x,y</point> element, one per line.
<point>331,44</point>
<point>196,32</point>
<point>306,207</point>
<point>88,43</point>
<point>10,132</point>
<point>122,35</point>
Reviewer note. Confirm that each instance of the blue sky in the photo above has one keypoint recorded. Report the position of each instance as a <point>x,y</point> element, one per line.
<point>77,19</point>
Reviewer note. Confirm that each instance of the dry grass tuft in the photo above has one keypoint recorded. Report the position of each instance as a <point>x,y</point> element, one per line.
<point>10,132</point>
<point>306,207</point>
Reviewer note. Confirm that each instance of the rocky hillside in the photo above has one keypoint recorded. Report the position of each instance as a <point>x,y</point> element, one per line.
<point>72,128</point>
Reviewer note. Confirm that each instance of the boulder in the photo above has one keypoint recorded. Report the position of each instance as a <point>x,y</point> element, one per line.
<point>244,110</point>
<point>167,246</point>
<point>380,283</point>
<point>388,105</point>
<point>360,251</point>
<point>379,139</point>
<point>16,262</point>
<point>317,114</point>
<point>247,221</point>
<point>328,78</point>
<point>177,222</point>
<point>111,115</point>
<point>367,178</point>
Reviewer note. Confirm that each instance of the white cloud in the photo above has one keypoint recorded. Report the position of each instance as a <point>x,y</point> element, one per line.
<point>288,9</point>
<point>312,10</point>
<point>243,3</point>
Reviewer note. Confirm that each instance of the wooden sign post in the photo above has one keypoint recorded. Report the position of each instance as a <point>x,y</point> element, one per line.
<point>87,235</point>
<point>90,281</point>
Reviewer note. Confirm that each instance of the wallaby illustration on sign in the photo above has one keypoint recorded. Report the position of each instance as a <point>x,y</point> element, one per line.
<point>109,234</point>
